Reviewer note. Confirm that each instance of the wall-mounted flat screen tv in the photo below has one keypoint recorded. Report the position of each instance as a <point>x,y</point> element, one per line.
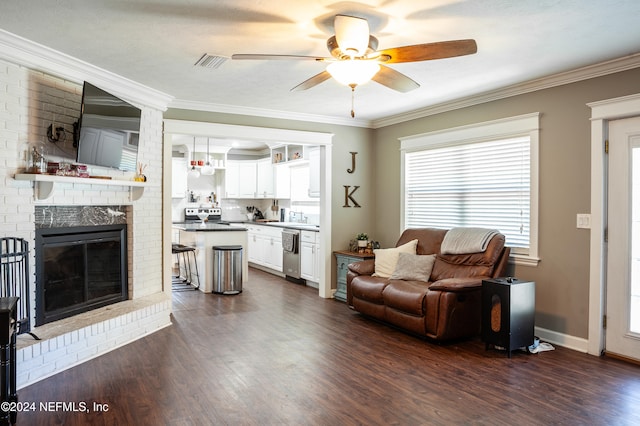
<point>109,130</point>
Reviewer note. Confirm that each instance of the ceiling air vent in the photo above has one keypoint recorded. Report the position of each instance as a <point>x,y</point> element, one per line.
<point>211,61</point>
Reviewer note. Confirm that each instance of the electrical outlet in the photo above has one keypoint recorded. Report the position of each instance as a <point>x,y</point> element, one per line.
<point>583,221</point>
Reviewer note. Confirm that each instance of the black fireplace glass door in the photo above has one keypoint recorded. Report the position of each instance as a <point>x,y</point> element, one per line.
<point>63,276</point>
<point>102,278</point>
<point>79,269</point>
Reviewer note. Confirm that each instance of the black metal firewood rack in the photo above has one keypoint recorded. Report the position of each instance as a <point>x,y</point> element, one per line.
<point>14,276</point>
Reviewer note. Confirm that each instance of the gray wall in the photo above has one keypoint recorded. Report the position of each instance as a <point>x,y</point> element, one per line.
<point>562,277</point>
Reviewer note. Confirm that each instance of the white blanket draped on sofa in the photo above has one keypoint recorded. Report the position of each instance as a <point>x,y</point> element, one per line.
<point>467,240</point>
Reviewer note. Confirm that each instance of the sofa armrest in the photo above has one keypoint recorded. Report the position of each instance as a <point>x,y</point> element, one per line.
<point>458,285</point>
<point>363,267</point>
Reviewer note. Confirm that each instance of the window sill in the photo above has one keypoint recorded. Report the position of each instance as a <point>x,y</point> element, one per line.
<point>524,260</point>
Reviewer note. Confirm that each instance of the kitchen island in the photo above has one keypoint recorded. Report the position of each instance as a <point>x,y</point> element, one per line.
<point>203,238</point>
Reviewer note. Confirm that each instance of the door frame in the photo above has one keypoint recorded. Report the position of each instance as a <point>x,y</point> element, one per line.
<point>601,113</point>
<point>264,134</point>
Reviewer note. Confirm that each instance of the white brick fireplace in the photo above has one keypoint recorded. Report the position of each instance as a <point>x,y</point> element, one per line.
<point>31,100</point>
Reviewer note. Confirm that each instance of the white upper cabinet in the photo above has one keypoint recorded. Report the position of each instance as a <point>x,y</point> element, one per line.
<point>247,179</point>
<point>178,177</point>
<point>314,172</point>
<point>265,179</point>
<point>282,182</point>
<point>231,179</point>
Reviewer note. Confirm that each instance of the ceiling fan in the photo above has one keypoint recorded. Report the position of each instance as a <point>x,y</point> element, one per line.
<point>355,59</point>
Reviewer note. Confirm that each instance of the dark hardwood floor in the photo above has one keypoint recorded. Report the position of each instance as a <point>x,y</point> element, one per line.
<point>277,354</point>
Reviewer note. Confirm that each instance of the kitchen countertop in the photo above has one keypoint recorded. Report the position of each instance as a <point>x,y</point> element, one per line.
<point>288,225</point>
<point>209,227</point>
<point>225,227</point>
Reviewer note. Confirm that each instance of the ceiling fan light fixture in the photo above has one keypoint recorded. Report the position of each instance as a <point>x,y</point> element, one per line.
<point>352,34</point>
<point>353,72</point>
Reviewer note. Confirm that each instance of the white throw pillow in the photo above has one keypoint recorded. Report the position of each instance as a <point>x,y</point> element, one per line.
<point>414,267</point>
<point>386,259</point>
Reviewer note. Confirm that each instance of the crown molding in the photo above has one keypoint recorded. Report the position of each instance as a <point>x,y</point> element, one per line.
<point>268,113</point>
<point>35,56</point>
<point>573,76</point>
<point>592,71</point>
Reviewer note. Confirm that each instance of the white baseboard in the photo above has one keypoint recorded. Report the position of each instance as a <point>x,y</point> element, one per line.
<point>571,342</point>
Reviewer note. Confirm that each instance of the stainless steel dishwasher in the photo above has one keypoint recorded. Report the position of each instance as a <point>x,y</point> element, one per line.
<point>291,254</point>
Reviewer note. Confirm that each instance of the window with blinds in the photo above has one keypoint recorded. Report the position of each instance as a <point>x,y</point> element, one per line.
<point>476,177</point>
<point>479,184</point>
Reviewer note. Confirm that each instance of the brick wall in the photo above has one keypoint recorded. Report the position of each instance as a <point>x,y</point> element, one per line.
<point>29,102</point>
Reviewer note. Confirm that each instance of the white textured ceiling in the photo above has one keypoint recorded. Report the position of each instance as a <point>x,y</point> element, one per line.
<point>157,42</point>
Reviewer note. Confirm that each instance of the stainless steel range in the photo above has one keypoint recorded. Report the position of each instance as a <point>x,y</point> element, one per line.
<point>213,215</point>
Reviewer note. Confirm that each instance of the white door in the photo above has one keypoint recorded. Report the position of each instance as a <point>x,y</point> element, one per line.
<point>623,264</point>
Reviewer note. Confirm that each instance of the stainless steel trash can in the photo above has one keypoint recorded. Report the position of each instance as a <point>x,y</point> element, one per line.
<point>227,269</point>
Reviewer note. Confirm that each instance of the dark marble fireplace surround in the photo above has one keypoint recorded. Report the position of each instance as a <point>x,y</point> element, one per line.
<point>81,259</point>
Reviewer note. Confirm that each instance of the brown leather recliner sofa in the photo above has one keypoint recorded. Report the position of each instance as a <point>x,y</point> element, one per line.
<point>447,306</point>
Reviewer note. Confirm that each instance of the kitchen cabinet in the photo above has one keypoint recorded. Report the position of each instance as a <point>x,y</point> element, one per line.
<point>288,153</point>
<point>240,179</point>
<point>282,182</point>
<point>247,179</point>
<point>265,246</point>
<point>314,172</point>
<point>300,183</point>
<point>178,177</point>
<point>310,256</point>
<point>251,179</point>
<point>254,252</point>
<point>265,179</point>
<point>273,255</point>
<point>231,179</point>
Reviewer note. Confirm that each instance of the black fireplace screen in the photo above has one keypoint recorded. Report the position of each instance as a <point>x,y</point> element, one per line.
<point>79,269</point>
<point>14,278</point>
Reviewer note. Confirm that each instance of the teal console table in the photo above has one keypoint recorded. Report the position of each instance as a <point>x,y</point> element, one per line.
<point>343,259</point>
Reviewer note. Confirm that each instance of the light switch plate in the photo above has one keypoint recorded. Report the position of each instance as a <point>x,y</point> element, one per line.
<point>583,221</point>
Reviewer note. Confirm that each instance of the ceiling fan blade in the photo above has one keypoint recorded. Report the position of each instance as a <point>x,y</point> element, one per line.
<point>279,57</point>
<point>352,34</point>
<point>313,81</point>
<point>429,51</point>
<point>394,80</point>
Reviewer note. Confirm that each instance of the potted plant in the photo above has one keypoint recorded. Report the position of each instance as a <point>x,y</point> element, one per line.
<point>363,239</point>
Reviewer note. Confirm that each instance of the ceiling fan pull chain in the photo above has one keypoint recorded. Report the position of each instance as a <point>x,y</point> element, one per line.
<point>353,94</point>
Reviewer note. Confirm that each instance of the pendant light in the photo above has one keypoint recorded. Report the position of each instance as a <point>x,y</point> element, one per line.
<point>208,169</point>
<point>194,173</point>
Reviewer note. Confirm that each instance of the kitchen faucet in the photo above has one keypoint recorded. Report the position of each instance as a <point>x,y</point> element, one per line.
<point>297,217</point>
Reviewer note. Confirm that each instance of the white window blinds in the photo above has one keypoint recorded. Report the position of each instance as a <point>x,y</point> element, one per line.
<point>484,184</point>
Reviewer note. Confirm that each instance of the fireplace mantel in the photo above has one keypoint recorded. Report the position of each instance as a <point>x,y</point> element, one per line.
<point>45,184</point>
